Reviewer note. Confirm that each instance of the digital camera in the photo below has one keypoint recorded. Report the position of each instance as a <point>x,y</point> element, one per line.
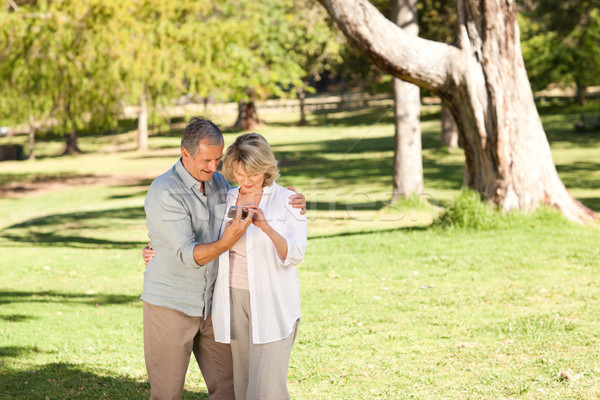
<point>233,211</point>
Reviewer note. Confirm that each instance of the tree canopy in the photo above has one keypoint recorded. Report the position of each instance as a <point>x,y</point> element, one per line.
<point>57,65</point>
<point>77,63</point>
<point>560,41</point>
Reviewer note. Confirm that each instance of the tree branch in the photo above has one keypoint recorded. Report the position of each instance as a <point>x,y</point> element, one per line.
<point>13,5</point>
<point>425,63</point>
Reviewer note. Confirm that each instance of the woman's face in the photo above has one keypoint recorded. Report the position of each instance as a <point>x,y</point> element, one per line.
<point>248,182</point>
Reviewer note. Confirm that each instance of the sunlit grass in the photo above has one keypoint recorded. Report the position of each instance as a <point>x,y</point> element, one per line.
<point>392,308</point>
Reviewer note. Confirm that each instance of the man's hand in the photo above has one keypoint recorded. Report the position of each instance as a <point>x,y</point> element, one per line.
<point>235,228</point>
<point>147,254</point>
<point>298,200</point>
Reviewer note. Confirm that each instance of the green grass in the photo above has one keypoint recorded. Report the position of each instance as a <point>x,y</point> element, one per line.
<point>393,308</point>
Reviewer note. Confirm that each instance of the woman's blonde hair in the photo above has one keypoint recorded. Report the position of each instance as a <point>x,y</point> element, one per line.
<point>252,152</point>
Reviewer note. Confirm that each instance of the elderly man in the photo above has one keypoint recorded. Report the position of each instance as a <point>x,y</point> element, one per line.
<point>185,208</point>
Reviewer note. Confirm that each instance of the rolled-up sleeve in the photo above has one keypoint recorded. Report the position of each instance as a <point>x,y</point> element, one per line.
<point>295,235</point>
<point>176,224</point>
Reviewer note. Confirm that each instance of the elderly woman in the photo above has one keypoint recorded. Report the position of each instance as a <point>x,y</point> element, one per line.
<point>256,305</point>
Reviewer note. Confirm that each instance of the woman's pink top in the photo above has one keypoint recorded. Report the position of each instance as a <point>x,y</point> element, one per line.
<point>238,265</point>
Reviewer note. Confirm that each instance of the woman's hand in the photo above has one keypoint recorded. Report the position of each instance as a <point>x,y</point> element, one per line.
<point>235,228</point>
<point>147,254</point>
<point>258,217</point>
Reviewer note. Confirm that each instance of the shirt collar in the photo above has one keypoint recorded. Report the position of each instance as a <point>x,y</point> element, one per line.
<point>269,189</point>
<point>187,178</point>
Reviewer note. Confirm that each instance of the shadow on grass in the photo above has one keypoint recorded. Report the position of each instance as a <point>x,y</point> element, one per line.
<point>140,193</point>
<point>592,203</point>
<point>103,218</point>
<point>144,184</point>
<point>71,381</point>
<point>575,139</point>
<point>16,351</point>
<point>337,146</point>
<point>16,318</point>
<point>580,174</point>
<point>55,239</point>
<point>348,207</point>
<point>365,171</point>
<point>348,146</point>
<point>8,297</point>
<point>34,178</point>
<point>65,230</point>
<point>372,232</point>
<point>361,117</point>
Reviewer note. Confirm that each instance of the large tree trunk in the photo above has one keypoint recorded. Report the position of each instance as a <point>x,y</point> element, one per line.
<point>449,130</point>
<point>142,134</point>
<point>485,84</point>
<point>247,116</point>
<point>408,161</point>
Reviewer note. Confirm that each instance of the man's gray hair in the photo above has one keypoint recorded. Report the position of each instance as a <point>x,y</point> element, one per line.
<point>198,129</point>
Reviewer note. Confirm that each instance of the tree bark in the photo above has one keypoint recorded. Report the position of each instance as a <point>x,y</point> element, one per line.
<point>31,138</point>
<point>142,135</point>
<point>485,84</point>
<point>581,94</point>
<point>71,146</point>
<point>301,96</point>
<point>449,130</point>
<point>247,116</point>
<point>408,161</point>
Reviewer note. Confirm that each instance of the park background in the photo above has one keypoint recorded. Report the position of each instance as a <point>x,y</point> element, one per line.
<point>434,295</point>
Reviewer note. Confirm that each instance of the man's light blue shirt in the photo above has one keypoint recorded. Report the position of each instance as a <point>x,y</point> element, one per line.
<point>178,218</point>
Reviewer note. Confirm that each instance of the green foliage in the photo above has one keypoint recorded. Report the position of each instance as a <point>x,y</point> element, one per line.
<point>469,212</point>
<point>357,70</point>
<point>267,48</point>
<point>58,65</point>
<point>77,63</point>
<point>560,40</point>
<point>437,20</point>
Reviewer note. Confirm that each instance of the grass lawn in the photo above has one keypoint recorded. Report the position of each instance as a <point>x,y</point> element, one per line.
<point>393,308</point>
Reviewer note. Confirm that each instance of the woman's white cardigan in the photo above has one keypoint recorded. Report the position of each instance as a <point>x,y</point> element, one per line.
<point>272,281</point>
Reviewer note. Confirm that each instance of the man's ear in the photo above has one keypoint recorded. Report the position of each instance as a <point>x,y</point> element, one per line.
<point>185,153</point>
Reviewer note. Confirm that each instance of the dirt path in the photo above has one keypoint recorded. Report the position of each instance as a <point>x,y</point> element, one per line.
<point>45,185</point>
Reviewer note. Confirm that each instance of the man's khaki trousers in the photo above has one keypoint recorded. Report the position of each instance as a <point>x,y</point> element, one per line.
<point>170,337</point>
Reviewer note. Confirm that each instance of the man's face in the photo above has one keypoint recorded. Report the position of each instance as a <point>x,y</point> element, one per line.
<point>206,161</point>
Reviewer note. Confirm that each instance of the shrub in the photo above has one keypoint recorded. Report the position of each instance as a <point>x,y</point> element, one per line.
<point>470,211</point>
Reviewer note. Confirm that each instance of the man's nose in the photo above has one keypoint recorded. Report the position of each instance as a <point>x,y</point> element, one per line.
<point>213,166</point>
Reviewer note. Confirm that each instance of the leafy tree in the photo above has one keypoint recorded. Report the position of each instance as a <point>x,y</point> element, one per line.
<point>484,82</point>
<point>260,61</point>
<point>62,67</point>
<point>256,50</point>
<point>561,43</point>
<point>20,86</point>
<point>316,46</point>
<point>164,47</point>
